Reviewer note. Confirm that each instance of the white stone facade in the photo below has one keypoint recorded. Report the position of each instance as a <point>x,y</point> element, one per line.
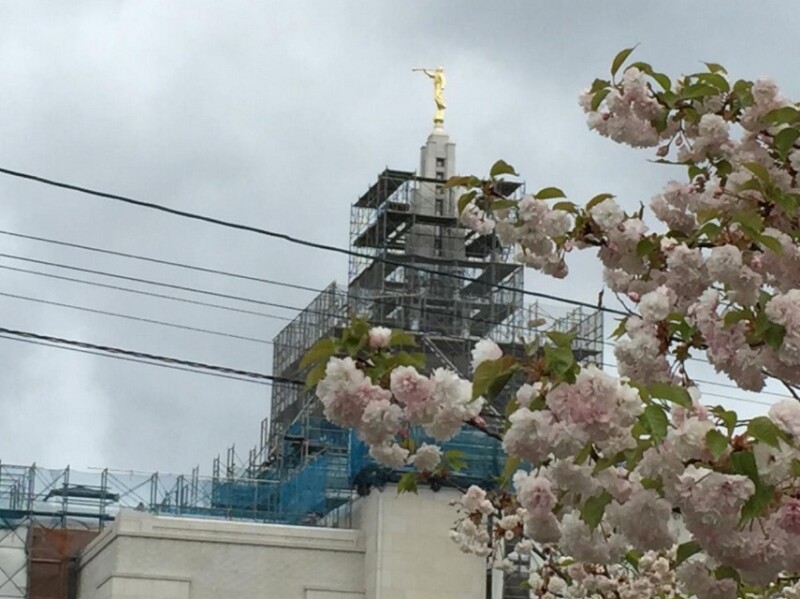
<point>398,549</point>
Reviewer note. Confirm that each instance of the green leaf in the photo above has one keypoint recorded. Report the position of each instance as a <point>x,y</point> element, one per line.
<point>715,80</point>
<point>561,361</point>
<point>593,508</point>
<point>566,207</point>
<point>795,468</point>
<point>758,170</point>
<point>498,384</point>
<point>724,168</point>
<point>619,331</point>
<point>501,167</point>
<point>407,483</point>
<point>727,572</point>
<point>662,80</point>
<point>763,429</point>
<point>647,246</point>
<point>548,193</point>
<point>717,443</point>
<point>454,458</point>
<point>608,461</point>
<point>770,243</point>
<point>758,502</point>
<point>620,58</point>
<point>583,454</point>
<point>780,116</point>
<point>601,197</point>
<point>511,466</point>
<point>784,141</point>
<point>463,182</point>
<point>744,462</point>
<point>668,98</point>
<point>598,84</point>
<point>713,67</point>
<point>464,199</point>
<point>750,220</point>
<point>598,98</point>
<point>656,421</point>
<point>561,339</point>
<point>655,484</point>
<point>489,371</point>
<point>400,337</point>
<point>774,336</point>
<point>753,184</point>
<point>403,358</point>
<point>788,202</point>
<point>315,375</point>
<point>501,204</point>
<point>698,91</point>
<point>632,557</point>
<point>321,351</point>
<point>734,316</point>
<point>660,122</point>
<point>409,444</point>
<point>685,551</point>
<point>710,230</point>
<point>677,395</point>
<point>728,418</point>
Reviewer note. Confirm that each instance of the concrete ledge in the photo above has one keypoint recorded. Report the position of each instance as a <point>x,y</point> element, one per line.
<point>130,523</point>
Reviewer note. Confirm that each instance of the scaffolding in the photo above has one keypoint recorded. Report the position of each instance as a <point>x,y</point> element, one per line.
<point>412,267</point>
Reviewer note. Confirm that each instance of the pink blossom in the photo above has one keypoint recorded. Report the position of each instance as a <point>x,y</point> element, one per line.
<point>380,422</point>
<point>786,415</point>
<point>389,454</point>
<point>426,458</point>
<point>534,492</point>
<point>412,390</point>
<point>379,337</point>
<point>485,350</point>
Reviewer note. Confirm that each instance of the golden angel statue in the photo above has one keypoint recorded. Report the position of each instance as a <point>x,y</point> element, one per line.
<point>437,75</point>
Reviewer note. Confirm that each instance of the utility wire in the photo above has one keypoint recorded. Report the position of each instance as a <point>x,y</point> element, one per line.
<point>130,290</point>
<point>140,292</point>
<point>126,359</point>
<point>136,318</point>
<point>154,357</point>
<point>215,271</point>
<point>225,273</point>
<point>148,281</point>
<point>606,343</point>
<point>379,301</point>
<point>299,241</point>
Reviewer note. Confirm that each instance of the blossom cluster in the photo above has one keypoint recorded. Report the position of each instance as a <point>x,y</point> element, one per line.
<point>629,486</point>
<point>440,403</point>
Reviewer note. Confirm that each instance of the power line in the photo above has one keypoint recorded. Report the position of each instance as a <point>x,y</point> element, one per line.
<point>196,367</point>
<point>130,290</point>
<point>264,341</point>
<point>297,240</point>
<point>215,271</point>
<point>149,282</point>
<point>135,318</point>
<point>146,356</point>
<point>126,359</point>
<point>140,292</point>
<point>201,269</point>
<point>379,301</point>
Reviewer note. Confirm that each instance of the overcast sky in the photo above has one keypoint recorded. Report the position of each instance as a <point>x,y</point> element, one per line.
<point>278,115</point>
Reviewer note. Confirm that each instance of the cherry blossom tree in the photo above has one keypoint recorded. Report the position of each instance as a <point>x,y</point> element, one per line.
<point>628,486</point>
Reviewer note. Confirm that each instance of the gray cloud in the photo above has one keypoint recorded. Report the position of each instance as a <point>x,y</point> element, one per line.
<point>279,115</point>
